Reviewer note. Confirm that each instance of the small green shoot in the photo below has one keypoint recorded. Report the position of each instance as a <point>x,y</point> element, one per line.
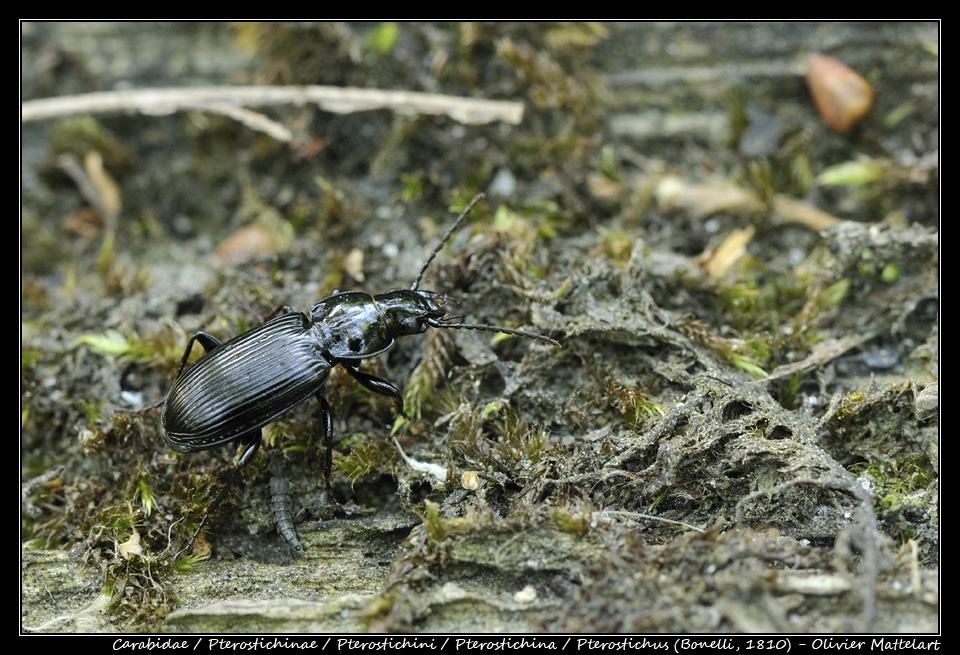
<point>383,38</point>
<point>890,274</point>
<point>834,294</point>
<point>747,365</point>
<point>412,187</point>
<point>110,343</point>
<point>145,494</point>
<point>187,563</point>
<point>852,173</point>
<point>491,409</point>
<point>432,522</point>
<point>634,405</point>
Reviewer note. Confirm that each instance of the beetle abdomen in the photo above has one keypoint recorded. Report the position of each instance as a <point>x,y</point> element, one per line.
<point>244,384</point>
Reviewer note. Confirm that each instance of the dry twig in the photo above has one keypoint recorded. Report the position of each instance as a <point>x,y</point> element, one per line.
<point>231,100</point>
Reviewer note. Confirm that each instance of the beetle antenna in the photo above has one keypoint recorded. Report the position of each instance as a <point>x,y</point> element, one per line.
<point>491,328</point>
<point>446,237</point>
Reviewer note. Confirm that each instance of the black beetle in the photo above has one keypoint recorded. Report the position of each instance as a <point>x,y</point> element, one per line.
<point>239,386</point>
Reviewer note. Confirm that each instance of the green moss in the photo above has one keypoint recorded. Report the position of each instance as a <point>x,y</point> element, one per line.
<point>898,479</point>
<point>91,410</point>
<point>81,134</point>
<point>28,359</point>
<point>634,405</point>
<point>566,520</point>
<point>363,459</point>
<point>163,348</point>
<point>144,493</point>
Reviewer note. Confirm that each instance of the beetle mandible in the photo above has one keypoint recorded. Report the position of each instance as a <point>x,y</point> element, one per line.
<point>241,385</point>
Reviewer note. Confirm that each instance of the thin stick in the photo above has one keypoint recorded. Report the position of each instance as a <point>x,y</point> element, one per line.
<point>341,100</point>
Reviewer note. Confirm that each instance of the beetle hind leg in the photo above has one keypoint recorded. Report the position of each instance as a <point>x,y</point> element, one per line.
<point>251,441</point>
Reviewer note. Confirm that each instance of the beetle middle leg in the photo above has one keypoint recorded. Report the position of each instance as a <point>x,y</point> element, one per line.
<point>326,421</point>
<point>370,382</point>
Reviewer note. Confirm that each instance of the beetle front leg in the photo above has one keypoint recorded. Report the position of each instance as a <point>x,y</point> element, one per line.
<point>382,387</point>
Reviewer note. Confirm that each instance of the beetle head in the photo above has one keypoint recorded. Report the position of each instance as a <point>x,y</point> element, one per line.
<point>409,311</point>
<point>413,311</point>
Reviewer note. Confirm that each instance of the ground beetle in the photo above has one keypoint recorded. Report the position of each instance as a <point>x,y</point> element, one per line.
<point>239,386</point>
